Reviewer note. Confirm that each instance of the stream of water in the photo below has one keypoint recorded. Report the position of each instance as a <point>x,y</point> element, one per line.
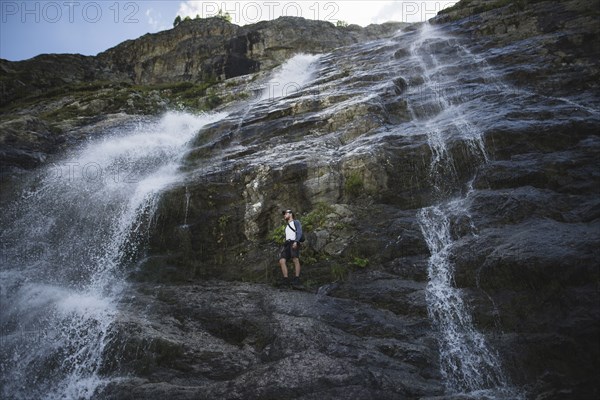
<point>467,361</point>
<point>65,246</point>
<point>292,76</point>
<point>68,240</point>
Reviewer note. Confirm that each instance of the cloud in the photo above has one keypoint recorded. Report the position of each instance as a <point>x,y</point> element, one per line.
<point>190,9</point>
<point>354,12</point>
<point>410,11</point>
<point>155,20</point>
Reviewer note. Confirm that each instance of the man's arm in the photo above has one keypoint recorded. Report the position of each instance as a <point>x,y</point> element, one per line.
<point>298,227</point>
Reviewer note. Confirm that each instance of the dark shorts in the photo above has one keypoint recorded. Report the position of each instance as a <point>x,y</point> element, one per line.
<point>288,252</point>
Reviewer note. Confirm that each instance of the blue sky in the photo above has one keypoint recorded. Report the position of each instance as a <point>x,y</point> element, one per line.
<point>29,28</point>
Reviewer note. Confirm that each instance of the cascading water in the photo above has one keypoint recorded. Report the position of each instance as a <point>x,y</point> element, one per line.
<point>293,75</point>
<point>289,78</point>
<point>468,364</point>
<point>65,244</point>
<point>188,195</point>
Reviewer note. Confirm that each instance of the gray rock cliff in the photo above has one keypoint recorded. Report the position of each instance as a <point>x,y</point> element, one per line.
<point>59,93</point>
<point>460,153</point>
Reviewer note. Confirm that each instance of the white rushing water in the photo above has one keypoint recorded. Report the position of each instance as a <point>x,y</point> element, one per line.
<point>287,79</point>
<point>292,76</point>
<point>468,363</point>
<point>66,244</point>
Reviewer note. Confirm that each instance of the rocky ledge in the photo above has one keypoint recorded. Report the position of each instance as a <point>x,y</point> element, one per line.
<point>234,340</point>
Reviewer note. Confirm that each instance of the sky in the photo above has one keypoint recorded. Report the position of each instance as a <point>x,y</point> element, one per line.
<point>29,28</point>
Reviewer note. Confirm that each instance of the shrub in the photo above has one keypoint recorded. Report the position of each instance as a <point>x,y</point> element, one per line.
<point>354,184</point>
<point>339,272</point>
<point>316,218</point>
<point>360,262</point>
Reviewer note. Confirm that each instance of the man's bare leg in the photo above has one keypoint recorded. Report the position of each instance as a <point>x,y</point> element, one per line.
<point>296,265</point>
<point>283,265</point>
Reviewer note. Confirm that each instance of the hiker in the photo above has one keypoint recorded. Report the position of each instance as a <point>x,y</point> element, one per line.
<point>291,249</point>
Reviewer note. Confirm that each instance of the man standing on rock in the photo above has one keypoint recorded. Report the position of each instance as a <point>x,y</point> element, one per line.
<point>291,250</point>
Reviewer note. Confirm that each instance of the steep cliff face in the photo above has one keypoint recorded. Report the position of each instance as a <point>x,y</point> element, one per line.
<point>216,49</point>
<point>486,127</point>
<point>195,50</point>
<point>171,69</point>
<point>40,74</point>
<point>446,177</point>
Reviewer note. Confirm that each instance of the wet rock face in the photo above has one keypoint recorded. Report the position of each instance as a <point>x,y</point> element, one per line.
<point>525,252</point>
<point>458,114</point>
<point>67,92</point>
<point>232,340</point>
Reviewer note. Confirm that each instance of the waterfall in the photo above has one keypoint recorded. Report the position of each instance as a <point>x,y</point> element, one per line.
<point>289,78</point>
<point>188,195</point>
<point>69,238</point>
<point>468,363</point>
<point>65,245</point>
<point>293,75</point>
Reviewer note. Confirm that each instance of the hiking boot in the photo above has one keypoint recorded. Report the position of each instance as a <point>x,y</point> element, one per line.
<point>296,283</point>
<point>284,282</point>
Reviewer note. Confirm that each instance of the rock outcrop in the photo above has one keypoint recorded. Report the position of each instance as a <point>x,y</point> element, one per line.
<point>61,93</point>
<point>216,49</point>
<point>194,51</point>
<point>488,118</point>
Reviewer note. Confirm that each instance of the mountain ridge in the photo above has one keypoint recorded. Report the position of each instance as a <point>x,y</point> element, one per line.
<point>59,93</point>
<point>212,39</point>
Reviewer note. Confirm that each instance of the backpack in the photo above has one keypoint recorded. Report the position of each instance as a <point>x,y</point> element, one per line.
<point>296,226</point>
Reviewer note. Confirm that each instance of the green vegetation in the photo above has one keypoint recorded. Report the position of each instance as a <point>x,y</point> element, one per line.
<point>223,221</point>
<point>224,16</point>
<point>360,262</point>
<point>278,235</point>
<point>222,227</point>
<point>354,184</point>
<point>310,222</point>
<point>72,102</point>
<point>213,101</point>
<point>341,24</point>
<point>339,272</point>
<point>316,218</point>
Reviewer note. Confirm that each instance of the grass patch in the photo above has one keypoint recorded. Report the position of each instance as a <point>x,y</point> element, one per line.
<point>360,262</point>
<point>354,184</point>
<point>316,218</point>
<point>339,272</point>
